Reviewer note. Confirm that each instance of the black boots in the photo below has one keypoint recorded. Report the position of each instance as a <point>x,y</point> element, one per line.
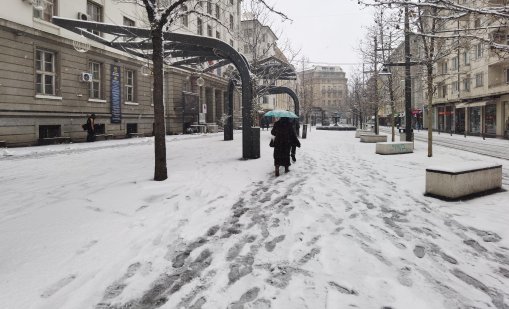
<point>277,170</point>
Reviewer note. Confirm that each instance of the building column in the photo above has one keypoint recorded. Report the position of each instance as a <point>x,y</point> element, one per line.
<point>213,105</point>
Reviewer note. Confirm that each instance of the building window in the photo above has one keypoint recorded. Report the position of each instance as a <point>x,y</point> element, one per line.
<point>442,90</point>
<point>479,79</point>
<point>466,58</point>
<point>48,11</point>
<point>95,13</point>
<point>209,7</point>
<point>479,50</point>
<point>199,26</point>
<point>466,83</point>
<point>209,30</point>
<point>129,22</point>
<point>185,17</point>
<point>454,63</point>
<point>507,77</point>
<point>231,43</point>
<point>45,72</point>
<point>95,84</point>
<point>218,12</point>
<point>455,87</point>
<point>129,85</point>
<point>231,22</point>
<point>218,35</point>
<point>443,67</point>
<point>232,2</point>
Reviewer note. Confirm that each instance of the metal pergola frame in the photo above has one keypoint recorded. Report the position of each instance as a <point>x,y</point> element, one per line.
<point>193,49</point>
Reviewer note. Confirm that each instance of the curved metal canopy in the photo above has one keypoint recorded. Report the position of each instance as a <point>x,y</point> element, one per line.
<point>192,48</point>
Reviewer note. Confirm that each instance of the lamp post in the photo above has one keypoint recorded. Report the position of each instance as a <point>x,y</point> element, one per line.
<point>408,81</point>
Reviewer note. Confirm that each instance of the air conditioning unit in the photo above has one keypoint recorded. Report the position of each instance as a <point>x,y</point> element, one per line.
<point>82,16</point>
<point>86,77</point>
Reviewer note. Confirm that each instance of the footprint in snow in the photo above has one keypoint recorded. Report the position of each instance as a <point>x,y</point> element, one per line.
<point>57,286</point>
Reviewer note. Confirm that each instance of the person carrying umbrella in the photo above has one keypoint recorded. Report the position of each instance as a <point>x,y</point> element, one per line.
<point>285,138</point>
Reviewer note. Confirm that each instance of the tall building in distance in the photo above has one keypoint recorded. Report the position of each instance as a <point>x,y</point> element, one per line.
<point>323,89</point>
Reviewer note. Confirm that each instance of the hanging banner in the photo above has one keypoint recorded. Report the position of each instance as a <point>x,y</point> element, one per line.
<point>116,113</point>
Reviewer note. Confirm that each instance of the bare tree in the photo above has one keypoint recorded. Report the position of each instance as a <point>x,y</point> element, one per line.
<point>161,15</point>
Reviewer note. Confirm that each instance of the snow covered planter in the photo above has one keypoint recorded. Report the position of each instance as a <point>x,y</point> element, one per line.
<point>373,138</point>
<point>394,148</point>
<point>463,179</point>
<point>358,133</point>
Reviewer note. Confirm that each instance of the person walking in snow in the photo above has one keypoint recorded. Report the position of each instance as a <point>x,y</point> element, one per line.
<point>285,137</point>
<point>91,128</point>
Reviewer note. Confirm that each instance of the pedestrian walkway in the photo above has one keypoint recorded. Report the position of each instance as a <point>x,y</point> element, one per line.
<point>345,228</point>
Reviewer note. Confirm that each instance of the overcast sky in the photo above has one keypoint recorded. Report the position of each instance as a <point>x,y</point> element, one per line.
<point>326,31</point>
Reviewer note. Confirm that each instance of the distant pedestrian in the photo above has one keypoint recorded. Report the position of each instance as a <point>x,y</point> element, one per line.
<point>296,142</point>
<point>91,128</point>
<point>265,123</point>
<point>285,137</point>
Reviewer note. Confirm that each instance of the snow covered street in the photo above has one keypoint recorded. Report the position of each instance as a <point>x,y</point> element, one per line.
<point>84,226</point>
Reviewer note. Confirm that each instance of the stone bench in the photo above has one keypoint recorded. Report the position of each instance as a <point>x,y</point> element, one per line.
<point>388,148</point>
<point>463,179</point>
<point>103,137</point>
<point>212,128</point>
<point>373,138</point>
<point>135,135</point>
<point>358,133</point>
<point>54,140</point>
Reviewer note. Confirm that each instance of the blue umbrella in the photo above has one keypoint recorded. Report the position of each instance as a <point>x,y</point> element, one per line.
<point>281,113</point>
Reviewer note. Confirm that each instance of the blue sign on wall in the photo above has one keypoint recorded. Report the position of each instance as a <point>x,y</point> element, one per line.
<point>116,113</point>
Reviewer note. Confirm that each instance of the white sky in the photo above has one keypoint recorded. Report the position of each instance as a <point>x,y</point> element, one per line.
<point>326,31</point>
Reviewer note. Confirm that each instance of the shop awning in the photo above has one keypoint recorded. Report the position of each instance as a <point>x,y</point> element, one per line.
<point>473,104</point>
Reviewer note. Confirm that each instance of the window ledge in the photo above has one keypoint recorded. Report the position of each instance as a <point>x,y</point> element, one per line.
<point>131,103</point>
<point>48,97</point>
<point>97,100</point>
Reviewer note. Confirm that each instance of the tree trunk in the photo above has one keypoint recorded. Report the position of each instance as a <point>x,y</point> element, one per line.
<point>430,109</point>
<point>160,170</point>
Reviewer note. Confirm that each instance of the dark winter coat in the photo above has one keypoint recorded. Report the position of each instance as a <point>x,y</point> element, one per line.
<point>285,138</point>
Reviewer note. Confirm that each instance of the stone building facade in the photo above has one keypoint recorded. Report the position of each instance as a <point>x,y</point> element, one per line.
<point>48,87</point>
<point>472,82</point>
<point>323,90</point>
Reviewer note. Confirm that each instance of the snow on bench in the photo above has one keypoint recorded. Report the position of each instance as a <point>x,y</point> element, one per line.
<point>388,148</point>
<point>463,179</point>
<point>373,138</point>
<point>358,133</point>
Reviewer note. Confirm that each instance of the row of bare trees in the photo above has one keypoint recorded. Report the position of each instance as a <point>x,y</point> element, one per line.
<point>438,28</point>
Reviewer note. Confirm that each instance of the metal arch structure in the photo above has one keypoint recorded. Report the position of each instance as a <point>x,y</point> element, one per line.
<point>281,90</point>
<point>291,93</point>
<point>194,49</point>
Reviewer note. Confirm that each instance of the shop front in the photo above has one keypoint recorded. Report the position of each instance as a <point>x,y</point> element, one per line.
<point>445,118</point>
<point>460,120</point>
<point>474,116</point>
<point>490,120</point>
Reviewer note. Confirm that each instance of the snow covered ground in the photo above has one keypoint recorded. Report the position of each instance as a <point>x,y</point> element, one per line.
<point>84,226</point>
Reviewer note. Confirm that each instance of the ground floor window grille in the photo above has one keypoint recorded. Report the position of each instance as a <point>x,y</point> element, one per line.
<point>49,131</point>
